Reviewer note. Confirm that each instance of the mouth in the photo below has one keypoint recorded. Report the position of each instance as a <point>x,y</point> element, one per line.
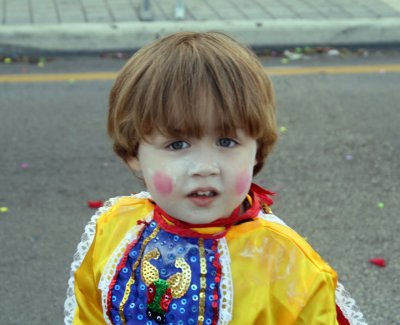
<point>203,196</point>
<point>203,192</point>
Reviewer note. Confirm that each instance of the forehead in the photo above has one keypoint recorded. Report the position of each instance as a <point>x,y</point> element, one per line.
<point>202,115</point>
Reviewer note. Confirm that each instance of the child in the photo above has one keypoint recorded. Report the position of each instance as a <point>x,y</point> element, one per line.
<point>194,115</point>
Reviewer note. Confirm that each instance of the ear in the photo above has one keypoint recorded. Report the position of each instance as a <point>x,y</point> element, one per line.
<point>134,164</point>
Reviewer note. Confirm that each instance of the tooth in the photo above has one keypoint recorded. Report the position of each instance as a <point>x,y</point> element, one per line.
<point>207,193</point>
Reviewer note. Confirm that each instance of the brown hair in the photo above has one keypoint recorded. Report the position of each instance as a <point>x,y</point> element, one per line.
<point>164,85</point>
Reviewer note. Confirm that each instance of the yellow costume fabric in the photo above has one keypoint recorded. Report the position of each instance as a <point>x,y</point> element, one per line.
<point>277,278</point>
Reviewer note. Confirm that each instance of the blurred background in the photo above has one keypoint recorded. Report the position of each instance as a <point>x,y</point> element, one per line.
<point>335,66</point>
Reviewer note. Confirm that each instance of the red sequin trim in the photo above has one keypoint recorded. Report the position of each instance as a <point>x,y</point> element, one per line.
<point>342,320</point>
<point>121,265</point>
<point>218,269</point>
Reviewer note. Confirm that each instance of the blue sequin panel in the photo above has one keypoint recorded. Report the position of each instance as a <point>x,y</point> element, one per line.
<point>184,310</point>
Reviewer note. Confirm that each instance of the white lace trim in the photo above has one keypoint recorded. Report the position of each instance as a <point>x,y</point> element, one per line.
<point>271,218</point>
<point>348,306</point>
<point>112,263</point>
<point>226,287</point>
<point>81,251</point>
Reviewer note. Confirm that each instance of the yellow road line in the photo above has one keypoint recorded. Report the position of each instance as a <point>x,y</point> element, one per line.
<point>16,78</point>
<point>287,71</point>
<point>272,71</point>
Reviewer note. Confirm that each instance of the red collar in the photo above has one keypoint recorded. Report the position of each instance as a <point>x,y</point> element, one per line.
<point>259,197</point>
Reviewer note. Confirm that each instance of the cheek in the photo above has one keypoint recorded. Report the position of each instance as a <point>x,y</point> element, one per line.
<point>162,183</point>
<point>243,183</point>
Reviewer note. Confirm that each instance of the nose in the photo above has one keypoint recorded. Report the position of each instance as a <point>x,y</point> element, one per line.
<point>204,169</point>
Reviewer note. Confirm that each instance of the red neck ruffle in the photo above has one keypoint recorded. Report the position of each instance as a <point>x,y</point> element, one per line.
<point>259,198</point>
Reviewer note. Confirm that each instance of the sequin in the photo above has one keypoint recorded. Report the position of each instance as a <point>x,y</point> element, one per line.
<point>176,238</point>
<point>193,287</point>
<point>132,305</point>
<point>183,301</point>
<point>139,317</point>
<point>182,310</point>
<point>193,259</point>
<point>117,287</point>
<point>203,284</point>
<point>174,306</point>
<point>125,270</point>
<point>153,224</point>
<point>131,280</point>
<point>195,297</point>
<point>114,298</point>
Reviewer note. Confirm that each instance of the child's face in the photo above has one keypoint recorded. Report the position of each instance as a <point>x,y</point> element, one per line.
<point>197,180</point>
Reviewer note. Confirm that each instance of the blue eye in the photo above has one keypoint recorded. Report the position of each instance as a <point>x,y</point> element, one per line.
<point>178,145</point>
<point>226,142</point>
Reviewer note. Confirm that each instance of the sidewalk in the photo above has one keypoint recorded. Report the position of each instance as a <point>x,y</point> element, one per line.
<point>114,25</point>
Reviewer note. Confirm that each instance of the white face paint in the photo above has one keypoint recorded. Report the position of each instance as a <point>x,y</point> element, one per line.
<point>197,180</point>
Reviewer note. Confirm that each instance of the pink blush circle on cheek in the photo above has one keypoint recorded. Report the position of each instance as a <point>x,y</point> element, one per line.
<point>243,183</point>
<point>162,183</point>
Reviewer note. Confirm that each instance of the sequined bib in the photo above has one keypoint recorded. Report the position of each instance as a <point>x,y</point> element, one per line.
<point>164,278</point>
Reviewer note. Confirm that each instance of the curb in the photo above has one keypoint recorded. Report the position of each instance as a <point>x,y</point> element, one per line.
<point>70,38</point>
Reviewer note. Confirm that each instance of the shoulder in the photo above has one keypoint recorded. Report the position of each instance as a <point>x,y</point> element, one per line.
<point>109,225</point>
<point>280,267</point>
<point>125,209</point>
<point>269,235</point>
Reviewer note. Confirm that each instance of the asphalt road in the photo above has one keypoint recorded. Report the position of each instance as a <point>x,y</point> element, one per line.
<point>336,170</point>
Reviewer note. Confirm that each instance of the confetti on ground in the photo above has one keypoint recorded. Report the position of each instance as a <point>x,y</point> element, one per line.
<point>333,52</point>
<point>382,71</point>
<point>349,157</point>
<point>95,204</point>
<point>71,81</point>
<point>24,165</point>
<point>381,262</point>
<point>283,129</point>
<point>3,209</point>
<point>41,62</point>
<point>7,60</point>
<point>381,205</point>
<point>284,61</point>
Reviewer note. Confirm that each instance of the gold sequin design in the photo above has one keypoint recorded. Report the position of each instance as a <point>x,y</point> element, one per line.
<point>131,280</point>
<point>203,283</point>
<point>148,272</point>
<point>180,282</point>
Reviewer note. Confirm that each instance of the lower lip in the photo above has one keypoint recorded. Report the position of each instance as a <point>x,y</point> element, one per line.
<point>202,201</point>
